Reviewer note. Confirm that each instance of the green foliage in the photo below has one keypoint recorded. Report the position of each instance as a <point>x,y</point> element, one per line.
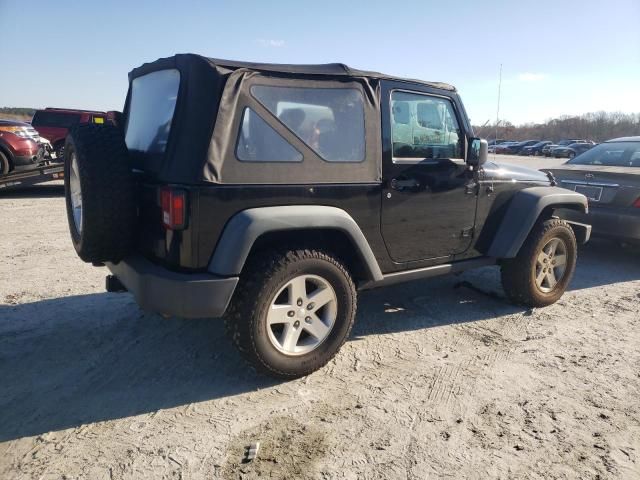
<point>18,111</point>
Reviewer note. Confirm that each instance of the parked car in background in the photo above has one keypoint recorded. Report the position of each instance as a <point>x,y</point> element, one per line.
<point>54,124</point>
<point>496,141</point>
<point>546,151</point>
<point>572,150</point>
<point>20,146</point>
<point>536,148</point>
<point>609,175</point>
<point>515,148</point>
<point>501,148</point>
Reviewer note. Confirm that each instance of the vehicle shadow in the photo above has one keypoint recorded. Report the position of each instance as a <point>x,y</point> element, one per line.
<point>603,262</point>
<point>75,360</point>
<point>47,190</point>
<point>477,295</point>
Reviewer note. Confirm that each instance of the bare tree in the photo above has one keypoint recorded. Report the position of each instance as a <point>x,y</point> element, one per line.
<point>596,126</point>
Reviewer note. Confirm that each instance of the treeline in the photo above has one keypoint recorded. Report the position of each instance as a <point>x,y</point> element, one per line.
<point>27,112</point>
<point>596,126</point>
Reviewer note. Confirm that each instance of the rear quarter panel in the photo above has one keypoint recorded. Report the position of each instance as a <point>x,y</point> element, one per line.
<point>211,207</point>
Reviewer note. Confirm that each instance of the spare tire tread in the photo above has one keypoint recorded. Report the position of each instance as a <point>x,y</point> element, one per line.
<point>108,200</point>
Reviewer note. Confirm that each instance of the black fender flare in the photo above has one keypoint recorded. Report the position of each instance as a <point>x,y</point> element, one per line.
<point>523,213</point>
<point>245,227</point>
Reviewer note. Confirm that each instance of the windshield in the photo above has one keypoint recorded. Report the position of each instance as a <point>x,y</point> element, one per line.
<point>611,154</point>
<point>153,101</point>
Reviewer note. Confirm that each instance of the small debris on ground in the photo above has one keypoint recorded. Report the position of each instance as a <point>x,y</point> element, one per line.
<point>251,452</point>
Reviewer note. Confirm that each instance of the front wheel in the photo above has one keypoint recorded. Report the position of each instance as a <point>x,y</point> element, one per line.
<point>292,311</point>
<point>539,275</point>
<point>5,166</point>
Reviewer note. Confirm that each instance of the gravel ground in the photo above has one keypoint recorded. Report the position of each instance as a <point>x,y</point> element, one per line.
<point>441,378</point>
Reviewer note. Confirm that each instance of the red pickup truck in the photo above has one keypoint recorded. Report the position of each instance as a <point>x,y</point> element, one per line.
<point>54,124</point>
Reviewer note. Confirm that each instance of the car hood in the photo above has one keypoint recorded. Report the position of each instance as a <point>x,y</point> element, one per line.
<point>507,171</point>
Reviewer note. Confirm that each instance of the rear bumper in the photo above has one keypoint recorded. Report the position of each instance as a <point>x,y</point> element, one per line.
<point>186,295</point>
<point>610,222</point>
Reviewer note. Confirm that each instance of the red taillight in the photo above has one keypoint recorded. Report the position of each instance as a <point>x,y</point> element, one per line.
<point>174,208</point>
<point>636,204</point>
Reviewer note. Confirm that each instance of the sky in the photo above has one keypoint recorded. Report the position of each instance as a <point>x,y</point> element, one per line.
<point>560,57</point>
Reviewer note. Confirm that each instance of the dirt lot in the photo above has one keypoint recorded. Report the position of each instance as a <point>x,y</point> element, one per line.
<point>439,379</point>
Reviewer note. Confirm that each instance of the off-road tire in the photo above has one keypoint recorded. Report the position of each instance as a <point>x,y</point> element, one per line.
<point>518,274</point>
<point>107,185</point>
<point>5,166</point>
<point>262,277</point>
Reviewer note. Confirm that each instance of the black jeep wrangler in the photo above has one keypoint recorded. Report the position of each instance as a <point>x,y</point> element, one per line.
<point>269,194</point>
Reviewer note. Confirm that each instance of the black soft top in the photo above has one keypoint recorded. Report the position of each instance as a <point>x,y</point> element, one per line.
<point>211,98</point>
<point>324,69</point>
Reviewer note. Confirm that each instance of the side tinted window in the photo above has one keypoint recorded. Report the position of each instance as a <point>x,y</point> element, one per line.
<point>423,126</point>
<point>258,142</point>
<point>329,120</point>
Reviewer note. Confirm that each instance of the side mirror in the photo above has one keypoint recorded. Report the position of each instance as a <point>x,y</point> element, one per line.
<point>478,152</point>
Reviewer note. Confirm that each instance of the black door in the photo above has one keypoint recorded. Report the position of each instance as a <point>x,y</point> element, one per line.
<point>429,194</point>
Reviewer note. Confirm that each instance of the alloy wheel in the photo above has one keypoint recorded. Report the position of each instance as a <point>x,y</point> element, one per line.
<point>551,265</point>
<point>76,193</point>
<point>301,315</point>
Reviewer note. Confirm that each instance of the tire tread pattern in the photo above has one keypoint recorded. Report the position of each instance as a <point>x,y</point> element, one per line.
<point>246,304</point>
<point>108,201</point>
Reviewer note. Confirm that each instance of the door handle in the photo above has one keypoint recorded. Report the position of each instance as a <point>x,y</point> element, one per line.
<point>470,188</point>
<point>404,184</point>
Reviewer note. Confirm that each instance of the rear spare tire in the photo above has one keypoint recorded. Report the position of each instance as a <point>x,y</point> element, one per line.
<point>99,193</point>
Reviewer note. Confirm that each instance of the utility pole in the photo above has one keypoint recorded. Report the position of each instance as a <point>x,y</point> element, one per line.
<point>498,109</point>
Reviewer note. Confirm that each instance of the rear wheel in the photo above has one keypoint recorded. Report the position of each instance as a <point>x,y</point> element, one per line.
<point>292,311</point>
<point>571,155</point>
<point>542,270</point>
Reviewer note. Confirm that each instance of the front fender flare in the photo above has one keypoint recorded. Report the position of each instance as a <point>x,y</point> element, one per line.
<point>245,227</point>
<point>523,212</point>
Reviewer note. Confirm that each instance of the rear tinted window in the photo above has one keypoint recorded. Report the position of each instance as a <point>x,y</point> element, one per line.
<point>55,119</point>
<point>330,121</point>
<point>153,101</point>
<point>614,154</point>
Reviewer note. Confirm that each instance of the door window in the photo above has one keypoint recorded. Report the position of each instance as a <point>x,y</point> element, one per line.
<point>424,127</point>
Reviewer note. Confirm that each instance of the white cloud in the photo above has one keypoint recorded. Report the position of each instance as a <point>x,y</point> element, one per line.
<point>271,42</point>
<point>531,77</point>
